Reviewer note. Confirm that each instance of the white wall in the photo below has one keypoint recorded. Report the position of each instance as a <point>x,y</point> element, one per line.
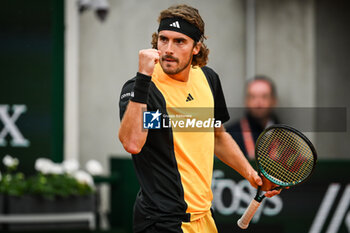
<point>285,49</point>
<point>71,82</point>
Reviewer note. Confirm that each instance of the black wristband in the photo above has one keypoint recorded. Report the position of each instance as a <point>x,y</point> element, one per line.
<point>141,88</point>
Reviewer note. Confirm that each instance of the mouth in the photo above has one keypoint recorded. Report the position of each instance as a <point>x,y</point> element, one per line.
<point>169,59</point>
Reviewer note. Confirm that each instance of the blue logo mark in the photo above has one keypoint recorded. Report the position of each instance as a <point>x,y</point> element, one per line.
<point>151,120</point>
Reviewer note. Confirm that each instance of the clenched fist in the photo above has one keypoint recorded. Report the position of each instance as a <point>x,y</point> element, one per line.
<point>147,60</point>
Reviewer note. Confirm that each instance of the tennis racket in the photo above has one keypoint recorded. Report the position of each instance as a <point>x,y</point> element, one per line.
<point>283,156</point>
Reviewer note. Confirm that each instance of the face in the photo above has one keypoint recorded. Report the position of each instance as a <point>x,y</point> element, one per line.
<point>176,50</point>
<point>259,99</point>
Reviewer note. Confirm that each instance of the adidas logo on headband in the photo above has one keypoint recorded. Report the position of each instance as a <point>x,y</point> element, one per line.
<point>186,28</point>
<point>175,24</point>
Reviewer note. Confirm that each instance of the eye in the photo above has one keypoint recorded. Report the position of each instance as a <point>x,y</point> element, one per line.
<point>163,39</point>
<point>179,41</point>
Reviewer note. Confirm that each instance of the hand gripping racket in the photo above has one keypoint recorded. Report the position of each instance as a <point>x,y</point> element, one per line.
<point>285,157</point>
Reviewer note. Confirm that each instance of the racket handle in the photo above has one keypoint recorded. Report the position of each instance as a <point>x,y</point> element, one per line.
<point>244,221</point>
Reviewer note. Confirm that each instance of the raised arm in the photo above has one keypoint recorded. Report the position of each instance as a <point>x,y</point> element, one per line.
<point>131,133</point>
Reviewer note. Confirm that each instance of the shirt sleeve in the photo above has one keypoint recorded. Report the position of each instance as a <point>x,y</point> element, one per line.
<point>125,95</point>
<point>220,108</point>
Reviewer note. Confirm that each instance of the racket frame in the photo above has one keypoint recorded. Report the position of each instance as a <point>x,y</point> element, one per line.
<point>261,171</point>
<point>245,219</point>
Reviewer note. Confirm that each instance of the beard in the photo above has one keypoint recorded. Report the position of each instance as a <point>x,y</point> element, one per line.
<point>168,70</point>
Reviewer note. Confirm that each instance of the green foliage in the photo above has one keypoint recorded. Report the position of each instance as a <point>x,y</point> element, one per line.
<point>13,184</point>
<point>56,185</point>
<point>49,185</point>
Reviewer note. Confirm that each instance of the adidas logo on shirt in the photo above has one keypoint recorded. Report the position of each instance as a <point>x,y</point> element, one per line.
<point>175,24</point>
<point>189,97</point>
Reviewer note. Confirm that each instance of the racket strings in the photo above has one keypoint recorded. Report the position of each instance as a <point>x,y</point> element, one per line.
<point>284,156</point>
<point>288,163</point>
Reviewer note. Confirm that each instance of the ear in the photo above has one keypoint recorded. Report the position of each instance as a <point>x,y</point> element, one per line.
<point>197,48</point>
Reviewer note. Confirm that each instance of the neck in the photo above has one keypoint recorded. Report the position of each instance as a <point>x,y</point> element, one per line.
<point>262,122</point>
<point>182,76</point>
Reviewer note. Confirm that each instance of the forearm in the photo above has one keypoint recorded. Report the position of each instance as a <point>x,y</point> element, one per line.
<point>131,132</point>
<point>227,150</point>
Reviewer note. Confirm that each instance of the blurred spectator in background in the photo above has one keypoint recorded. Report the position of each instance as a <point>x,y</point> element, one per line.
<point>260,99</point>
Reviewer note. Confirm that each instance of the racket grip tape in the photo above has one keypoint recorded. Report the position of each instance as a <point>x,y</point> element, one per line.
<point>244,221</point>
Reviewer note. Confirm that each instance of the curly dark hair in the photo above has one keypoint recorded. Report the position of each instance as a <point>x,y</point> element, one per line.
<point>192,16</point>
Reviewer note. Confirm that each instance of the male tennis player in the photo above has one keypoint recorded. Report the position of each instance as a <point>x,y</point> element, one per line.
<point>174,169</point>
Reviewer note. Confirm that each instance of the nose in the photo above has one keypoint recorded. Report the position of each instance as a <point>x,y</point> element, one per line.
<point>169,48</point>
